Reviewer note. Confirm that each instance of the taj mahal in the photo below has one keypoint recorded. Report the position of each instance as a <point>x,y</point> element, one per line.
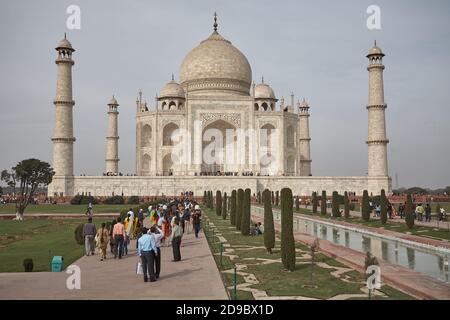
<point>215,129</point>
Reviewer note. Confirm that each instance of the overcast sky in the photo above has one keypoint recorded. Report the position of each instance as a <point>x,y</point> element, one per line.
<point>314,48</point>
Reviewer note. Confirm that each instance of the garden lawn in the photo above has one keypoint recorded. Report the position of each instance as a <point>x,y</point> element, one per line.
<point>271,277</point>
<point>65,208</point>
<point>40,240</point>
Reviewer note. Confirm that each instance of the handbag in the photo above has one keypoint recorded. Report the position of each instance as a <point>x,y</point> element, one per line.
<point>139,268</point>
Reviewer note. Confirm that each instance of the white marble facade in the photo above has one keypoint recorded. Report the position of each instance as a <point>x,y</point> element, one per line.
<point>215,129</point>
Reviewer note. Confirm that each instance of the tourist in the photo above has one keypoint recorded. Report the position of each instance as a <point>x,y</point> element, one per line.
<point>428,213</point>
<point>389,210</point>
<point>185,218</point>
<point>419,212</point>
<point>177,234</point>
<point>118,235</point>
<point>89,210</point>
<point>196,219</point>
<point>158,236</point>
<point>147,251</point>
<point>102,241</point>
<point>141,215</point>
<point>378,210</point>
<point>260,228</point>
<point>401,210</point>
<point>130,213</point>
<point>89,232</point>
<point>128,225</point>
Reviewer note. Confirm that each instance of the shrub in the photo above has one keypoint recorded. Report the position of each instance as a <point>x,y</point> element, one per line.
<point>383,207</point>
<point>335,205</point>
<point>245,220</point>
<point>78,199</point>
<point>28,265</point>
<point>287,233</point>
<point>365,207</point>
<point>409,212</point>
<point>218,203</point>
<point>239,208</point>
<point>323,203</point>
<point>269,228</point>
<point>224,206</point>
<point>115,200</point>
<point>133,200</point>
<point>79,234</point>
<point>314,202</point>
<point>346,206</point>
<point>233,208</point>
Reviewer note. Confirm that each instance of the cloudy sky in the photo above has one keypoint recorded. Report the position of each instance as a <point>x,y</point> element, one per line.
<point>314,48</point>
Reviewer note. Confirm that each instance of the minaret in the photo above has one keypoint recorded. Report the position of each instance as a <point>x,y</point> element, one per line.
<point>63,138</point>
<point>377,141</point>
<point>112,138</point>
<point>304,139</point>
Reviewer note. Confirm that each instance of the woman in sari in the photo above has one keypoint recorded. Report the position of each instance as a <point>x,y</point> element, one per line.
<point>102,240</point>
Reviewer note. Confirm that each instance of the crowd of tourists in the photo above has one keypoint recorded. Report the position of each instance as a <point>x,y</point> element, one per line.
<point>161,225</point>
<point>421,213</point>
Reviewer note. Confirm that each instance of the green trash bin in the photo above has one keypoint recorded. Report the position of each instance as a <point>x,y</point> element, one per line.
<point>57,263</point>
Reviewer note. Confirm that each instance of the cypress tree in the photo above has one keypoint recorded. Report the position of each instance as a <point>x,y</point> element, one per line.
<point>239,208</point>
<point>273,197</point>
<point>277,198</point>
<point>314,202</point>
<point>383,207</point>
<point>335,205</point>
<point>204,197</point>
<point>323,203</point>
<point>259,197</point>
<point>297,203</point>
<point>224,206</point>
<point>287,232</point>
<point>365,208</point>
<point>218,203</point>
<point>269,228</point>
<point>409,212</point>
<point>233,208</point>
<point>245,220</point>
<point>346,206</point>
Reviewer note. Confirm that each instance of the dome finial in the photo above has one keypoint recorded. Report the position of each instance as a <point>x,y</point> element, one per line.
<point>172,77</point>
<point>215,22</point>
<point>375,43</point>
<point>65,36</point>
<point>262,79</point>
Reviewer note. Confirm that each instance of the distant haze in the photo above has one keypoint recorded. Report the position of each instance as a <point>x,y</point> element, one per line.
<point>314,48</point>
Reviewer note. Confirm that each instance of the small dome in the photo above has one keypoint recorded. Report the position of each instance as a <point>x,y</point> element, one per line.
<point>304,104</point>
<point>375,51</point>
<point>172,90</point>
<point>65,44</point>
<point>113,102</point>
<point>264,91</point>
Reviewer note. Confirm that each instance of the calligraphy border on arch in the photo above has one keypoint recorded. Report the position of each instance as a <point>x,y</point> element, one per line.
<point>234,118</point>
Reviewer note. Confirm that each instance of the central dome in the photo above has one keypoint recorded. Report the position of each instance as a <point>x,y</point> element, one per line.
<point>216,66</point>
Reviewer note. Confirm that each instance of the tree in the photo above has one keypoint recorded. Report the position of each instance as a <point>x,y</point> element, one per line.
<point>224,206</point>
<point>335,205</point>
<point>277,198</point>
<point>1,190</point>
<point>273,197</point>
<point>233,208</point>
<point>323,203</point>
<point>365,206</point>
<point>29,174</point>
<point>346,206</point>
<point>383,207</point>
<point>204,197</point>
<point>314,202</point>
<point>297,203</point>
<point>210,199</point>
<point>269,228</point>
<point>287,232</point>
<point>409,212</point>
<point>259,197</point>
<point>239,208</point>
<point>245,220</point>
<point>218,203</point>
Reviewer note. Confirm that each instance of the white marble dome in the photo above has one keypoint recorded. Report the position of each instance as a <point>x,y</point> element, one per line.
<point>172,90</point>
<point>264,91</point>
<point>216,65</point>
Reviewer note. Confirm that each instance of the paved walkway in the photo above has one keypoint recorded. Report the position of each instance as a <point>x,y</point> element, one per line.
<point>195,277</point>
<point>404,279</point>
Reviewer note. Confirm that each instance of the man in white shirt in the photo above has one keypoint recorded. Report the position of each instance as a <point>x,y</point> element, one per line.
<point>158,235</point>
<point>131,213</point>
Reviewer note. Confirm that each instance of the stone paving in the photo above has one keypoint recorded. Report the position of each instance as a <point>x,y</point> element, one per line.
<point>194,277</point>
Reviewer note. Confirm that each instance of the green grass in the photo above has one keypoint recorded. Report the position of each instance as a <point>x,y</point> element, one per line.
<point>65,208</point>
<point>39,240</point>
<point>272,278</point>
